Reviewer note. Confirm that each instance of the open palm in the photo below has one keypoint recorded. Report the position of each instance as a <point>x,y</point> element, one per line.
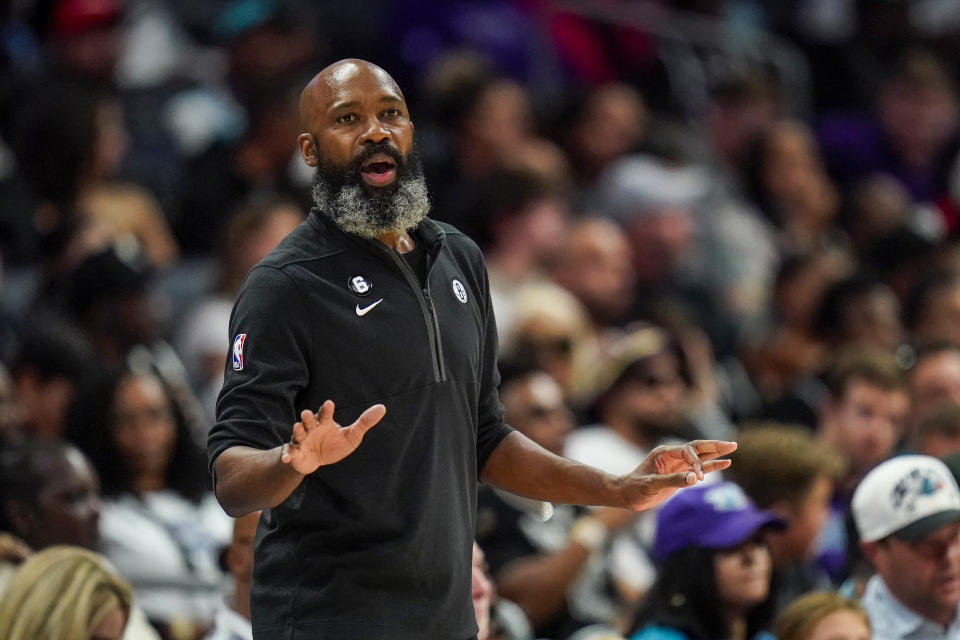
<point>318,440</point>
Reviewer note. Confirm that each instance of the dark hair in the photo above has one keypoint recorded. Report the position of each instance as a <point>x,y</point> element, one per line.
<point>24,471</point>
<point>922,295</point>
<point>52,350</point>
<point>829,324</point>
<point>776,462</point>
<point>90,426</point>
<point>684,597</point>
<point>876,368</point>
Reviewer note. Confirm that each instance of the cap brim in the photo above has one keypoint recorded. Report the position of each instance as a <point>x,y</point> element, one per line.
<point>916,531</point>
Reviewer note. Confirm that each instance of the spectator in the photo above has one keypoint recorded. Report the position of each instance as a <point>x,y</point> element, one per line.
<point>594,263</point>
<point>714,568</point>
<point>860,311</point>
<point>523,223</point>
<point>65,592</point>
<point>608,122</point>
<point>907,512</point>
<point>50,495</point>
<point>790,185</point>
<point>161,525</point>
<point>255,228</point>
<point>110,299</point>
<point>934,379</point>
<point>938,433</point>
<point>46,370</point>
<point>551,329</point>
<point>863,421</point>
<point>545,558</point>
<point>823,616</point>
<point>644,403</point>
<point>785,470</point>
<point>915,117</point>
<point>932,310</point>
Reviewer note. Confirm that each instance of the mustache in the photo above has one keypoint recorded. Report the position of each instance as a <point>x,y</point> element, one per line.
<point>371,149</point>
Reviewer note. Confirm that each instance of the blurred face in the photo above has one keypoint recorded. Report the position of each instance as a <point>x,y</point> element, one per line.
<point>804,523</point>
<point>924,575</point>
<point>534,406</point>
<point>654,397</point>
<point>874,320</point>
<point>941,320</point>
<point>67,509</point>
<point>743,575</point>
<point>613,124</point>
<point>111,627</point>
<point>935,380</point>
<point>482,592</point>
<point>500,119</point>
<point>869,421</point>
<point>841,625</point>
<point>144,431</point>
<point>660,242</point>
<point>596,266</point>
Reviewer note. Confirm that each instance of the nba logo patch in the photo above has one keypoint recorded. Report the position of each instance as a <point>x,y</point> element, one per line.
<point>238,351</point>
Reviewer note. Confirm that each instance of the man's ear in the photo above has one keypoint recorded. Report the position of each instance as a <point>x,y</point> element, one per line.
<point>308,149</point>
<point>872,551</point>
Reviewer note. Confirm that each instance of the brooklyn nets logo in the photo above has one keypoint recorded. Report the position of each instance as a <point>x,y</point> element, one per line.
<point>459,291</point>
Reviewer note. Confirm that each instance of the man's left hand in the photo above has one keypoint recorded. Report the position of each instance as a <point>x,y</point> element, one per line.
<point>671,467</point>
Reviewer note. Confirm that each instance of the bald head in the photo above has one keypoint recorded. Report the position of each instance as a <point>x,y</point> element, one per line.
<point>359,136</point>
<point>322,91</point>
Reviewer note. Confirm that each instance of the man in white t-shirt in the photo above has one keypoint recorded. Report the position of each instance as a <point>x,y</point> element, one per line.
<point>907,511</point>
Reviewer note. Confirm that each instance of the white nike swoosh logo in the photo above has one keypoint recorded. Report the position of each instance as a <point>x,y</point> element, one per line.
<point>365,310</point>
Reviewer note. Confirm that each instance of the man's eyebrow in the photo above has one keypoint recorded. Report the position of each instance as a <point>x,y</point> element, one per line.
<point>349,104</point>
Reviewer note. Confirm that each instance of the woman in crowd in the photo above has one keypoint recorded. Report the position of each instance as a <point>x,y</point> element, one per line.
<point>823,615</point>
<point>65,593</point>
<point>714,580</point>
<point>160,525</point>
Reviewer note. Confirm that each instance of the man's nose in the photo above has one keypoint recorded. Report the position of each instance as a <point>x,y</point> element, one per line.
<point>376,132</point>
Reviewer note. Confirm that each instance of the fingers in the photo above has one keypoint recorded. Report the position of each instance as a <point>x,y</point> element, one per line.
<point>370,417</point>
<point>693,459</point>
<point>710,449</point>
<point>716,465</point>
<point>667,480</point>
<point>367,419</point>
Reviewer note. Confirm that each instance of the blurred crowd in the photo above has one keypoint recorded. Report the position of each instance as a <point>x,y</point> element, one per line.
<point>729,219</point>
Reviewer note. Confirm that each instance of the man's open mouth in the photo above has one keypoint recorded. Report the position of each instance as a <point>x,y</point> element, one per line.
<point>379,170</point>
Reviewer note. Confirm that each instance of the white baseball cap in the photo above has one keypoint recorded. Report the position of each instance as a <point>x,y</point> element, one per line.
<point>907,496</point>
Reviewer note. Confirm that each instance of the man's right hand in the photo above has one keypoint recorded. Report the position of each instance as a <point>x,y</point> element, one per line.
<point>318,440</point>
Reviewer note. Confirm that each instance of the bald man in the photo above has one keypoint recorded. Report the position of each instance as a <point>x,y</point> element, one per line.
<point>374,305</point>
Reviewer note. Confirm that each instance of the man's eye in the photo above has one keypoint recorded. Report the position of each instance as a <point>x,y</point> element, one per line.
<point>392,112</point>
<point>347,118</point>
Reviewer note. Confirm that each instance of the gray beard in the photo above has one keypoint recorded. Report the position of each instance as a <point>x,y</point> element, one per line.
<point>369,215</point>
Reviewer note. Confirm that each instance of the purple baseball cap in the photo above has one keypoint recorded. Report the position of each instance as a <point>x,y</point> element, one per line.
<point>715,516</point>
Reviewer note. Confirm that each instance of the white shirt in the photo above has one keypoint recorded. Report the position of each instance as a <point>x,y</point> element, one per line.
<point>168,548</point>
<point>891,620</point>
<point>230,625</point>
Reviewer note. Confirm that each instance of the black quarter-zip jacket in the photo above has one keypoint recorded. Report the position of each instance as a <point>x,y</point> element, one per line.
<point>377,545</point>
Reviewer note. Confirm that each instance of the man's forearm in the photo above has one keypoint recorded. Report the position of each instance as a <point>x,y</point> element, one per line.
<point>250,479</point>
<point>521,466</point>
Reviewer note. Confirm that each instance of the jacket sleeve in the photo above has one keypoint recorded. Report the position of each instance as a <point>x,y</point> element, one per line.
<point>491,429</point>
<point>268,365</point>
